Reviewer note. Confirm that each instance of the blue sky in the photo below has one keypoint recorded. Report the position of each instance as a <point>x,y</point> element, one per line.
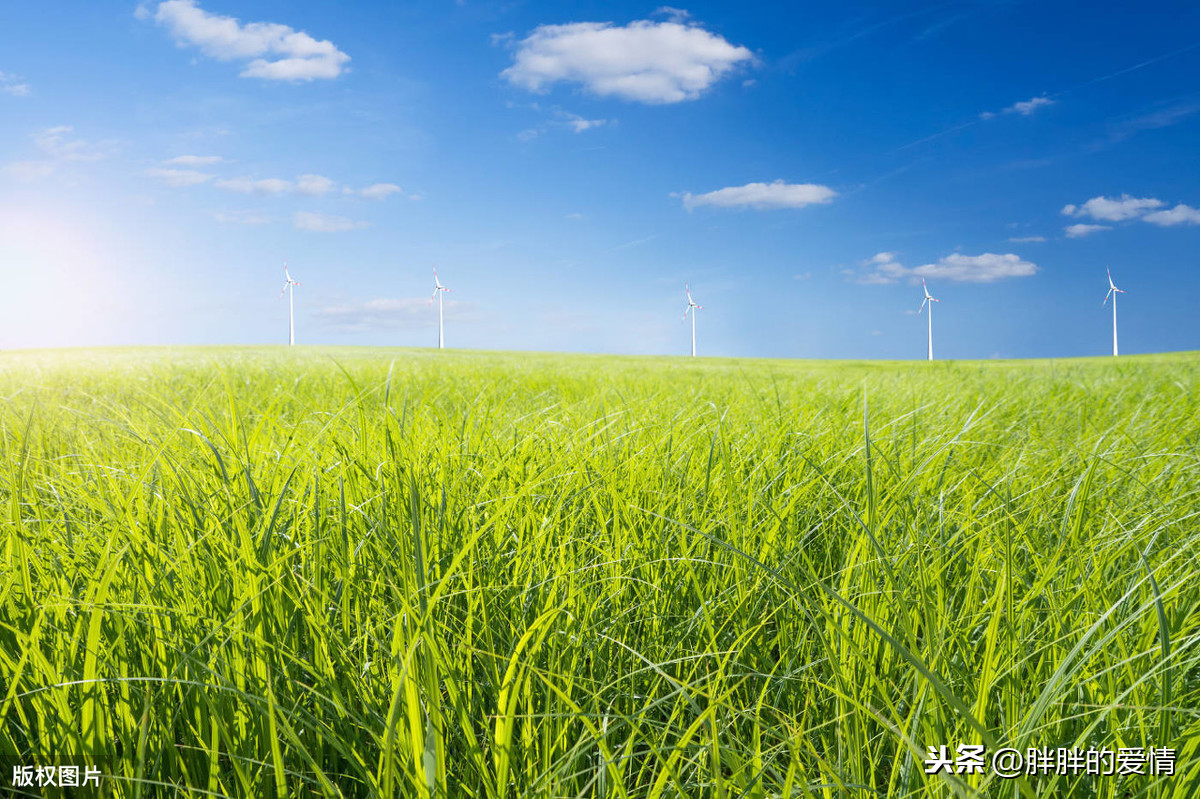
<point>568,167</point>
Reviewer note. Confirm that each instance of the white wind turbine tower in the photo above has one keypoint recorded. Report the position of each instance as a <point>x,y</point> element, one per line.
<point>438,291</point>
<point>929,300</point>
<point>1113,291</point>
<point>288,289</point>
<point>692,306</point>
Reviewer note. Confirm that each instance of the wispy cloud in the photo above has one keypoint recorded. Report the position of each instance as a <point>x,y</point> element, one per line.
<point>579,124</point>
<point>274,51</point>
<point>1027,239</point>
<point>1027,107</point>
<point>1153,120</point>
<point>1081,230</point>
<point>324,223</point>
<point>562,120</point>
<point>884,268</point>
<point>14,85</point>
<point>644,61</point>
<point>57,142</point>
<point>194,160</point>
<point>762,196</point>
<point>29,170</point>
<point>180,177</point>
<point>251,186</point>
<point>389,314</point>
<point>378,191</point>
<point>305,185</point>
<point>58,146</point>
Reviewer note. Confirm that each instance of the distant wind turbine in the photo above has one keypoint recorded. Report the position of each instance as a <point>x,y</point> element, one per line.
<point>288,289</point>
<point>692,304</point>
<point>929,300</point>
<point>1113,291</point>
<point>438,290</point>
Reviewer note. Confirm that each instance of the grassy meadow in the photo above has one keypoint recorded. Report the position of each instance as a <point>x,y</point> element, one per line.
<point>367,572</point>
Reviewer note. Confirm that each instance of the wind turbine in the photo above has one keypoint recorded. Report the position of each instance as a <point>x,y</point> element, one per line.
<point>1113,291</point>
<point>288,289</point>
<point>691,304</point>
<point>438,290</point>
<point>929,300</point>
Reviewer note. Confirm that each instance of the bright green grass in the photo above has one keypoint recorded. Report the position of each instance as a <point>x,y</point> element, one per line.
<point>388,573</point>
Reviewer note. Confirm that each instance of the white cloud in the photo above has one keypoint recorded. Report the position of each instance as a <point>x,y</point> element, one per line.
<point>1027,107</point>
<point>274,51</point>
<point>578,124</point>
<point>1179,215</point>
<point>1027,239</point>
<point>194,160</point>
<point>57,143</point>
<point>380,191</point>
<point>763,196</point>
<point>180,177</point>
<point>251,186</point>
<point>644,61</point>
<point>313,185</point>
<point>58,147</point>
<point>883,268</point>
<point>1079,231</point>
<point>13,85</point>
<point>986,268</point>
<point>324,223</point>
<point>671,13</point>
<point>1113,209</point>
<point>393,314</point>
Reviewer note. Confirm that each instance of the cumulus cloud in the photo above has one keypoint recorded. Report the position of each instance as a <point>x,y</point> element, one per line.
<point>313,185</point>
<point>1179,215</point>
<point>989,267</point>
<point>762,196</point>
<point>324,223</point>
<point>644,61</point>
<point>194,160</point>
<point>180,177</point>
<point>1113,209</point>
<point>274,51</point>
<point>1079,231</point>
<point>389,314</point>
<point>13,85</point>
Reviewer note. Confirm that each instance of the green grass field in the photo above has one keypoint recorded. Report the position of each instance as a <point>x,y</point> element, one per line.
<point>247,572</point>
